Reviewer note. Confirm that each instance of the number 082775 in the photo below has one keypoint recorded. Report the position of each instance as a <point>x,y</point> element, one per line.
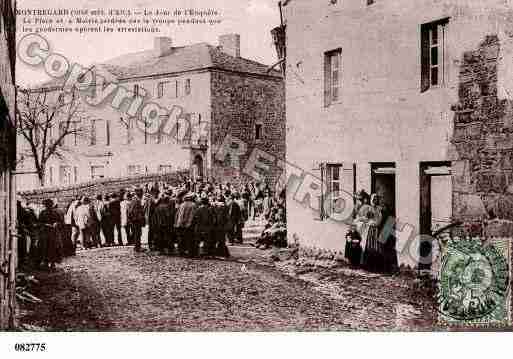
<point>30,347</point>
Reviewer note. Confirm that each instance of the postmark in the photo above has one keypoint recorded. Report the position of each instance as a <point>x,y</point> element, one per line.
<point>474,283</point>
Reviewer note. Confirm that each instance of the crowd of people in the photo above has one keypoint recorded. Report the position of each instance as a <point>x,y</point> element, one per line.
<point>194,218</point>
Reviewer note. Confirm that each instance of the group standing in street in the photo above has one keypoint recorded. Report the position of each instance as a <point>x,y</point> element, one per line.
<point>194,218</point>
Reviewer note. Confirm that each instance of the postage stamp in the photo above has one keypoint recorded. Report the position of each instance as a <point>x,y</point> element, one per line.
<point>474,288</point>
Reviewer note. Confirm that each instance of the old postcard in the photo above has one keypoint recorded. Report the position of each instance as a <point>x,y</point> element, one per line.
<point>256,166</point>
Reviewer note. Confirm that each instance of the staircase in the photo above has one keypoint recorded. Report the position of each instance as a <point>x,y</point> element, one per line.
<point>252,230</point>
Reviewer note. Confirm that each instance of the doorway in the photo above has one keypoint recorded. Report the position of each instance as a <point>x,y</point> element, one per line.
<point>383,184</point>
<point>197,167</point>
<point>435,201</point>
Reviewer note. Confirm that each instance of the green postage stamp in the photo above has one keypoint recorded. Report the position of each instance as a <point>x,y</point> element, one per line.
<point>474,280</point>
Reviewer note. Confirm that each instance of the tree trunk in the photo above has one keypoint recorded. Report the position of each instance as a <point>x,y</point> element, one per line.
<point>41,177</point>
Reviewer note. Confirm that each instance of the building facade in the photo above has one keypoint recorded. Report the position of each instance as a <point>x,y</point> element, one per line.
<point>373,98</point>
<point>208,92</point>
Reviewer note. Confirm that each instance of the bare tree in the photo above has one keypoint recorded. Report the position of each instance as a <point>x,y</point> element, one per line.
<point>41,113</point>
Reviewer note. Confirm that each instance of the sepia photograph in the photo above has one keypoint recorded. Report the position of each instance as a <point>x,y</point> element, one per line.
<point>255,166</point>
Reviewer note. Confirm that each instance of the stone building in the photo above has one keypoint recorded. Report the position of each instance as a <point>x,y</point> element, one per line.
<point>407,99</point>
<point>213,87</point>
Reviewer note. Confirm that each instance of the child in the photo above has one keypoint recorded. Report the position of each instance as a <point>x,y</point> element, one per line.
<point>353,250</point>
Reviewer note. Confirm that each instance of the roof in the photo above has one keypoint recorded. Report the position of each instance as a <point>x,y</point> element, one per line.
<point>181,59</point>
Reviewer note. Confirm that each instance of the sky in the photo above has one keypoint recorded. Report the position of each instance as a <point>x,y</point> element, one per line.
<point>252,19</point>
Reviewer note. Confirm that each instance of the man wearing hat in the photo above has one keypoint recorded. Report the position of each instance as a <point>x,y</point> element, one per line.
<point>161,223</point>
<point>149,203</point>
<point>136,218</point>
<point>202,227</point>
<point>49,220</point>
<point>234,218</point>
<point>171,209</point>
<point>115,213</point>
<point>220,226</point>
<point>84,218</point>
<point>184,223</point>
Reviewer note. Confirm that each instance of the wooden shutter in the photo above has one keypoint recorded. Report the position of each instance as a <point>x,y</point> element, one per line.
<point>327,79</point>
<point>93,132</point>
<point>62,129</point>
<point>107,129</point>
<point>424,57</point>
<point>348,177</point>
<point>322,212</point>
<point>327,195</point>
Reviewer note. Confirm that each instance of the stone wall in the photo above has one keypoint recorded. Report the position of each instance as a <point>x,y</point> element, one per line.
<point>239,102</point>
<point>65,194</point>
<point>482,145</point>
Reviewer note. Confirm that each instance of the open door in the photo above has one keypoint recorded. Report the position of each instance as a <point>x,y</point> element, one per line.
<point>383,184</point>
<point>197,168</point>
<point>435,201</point>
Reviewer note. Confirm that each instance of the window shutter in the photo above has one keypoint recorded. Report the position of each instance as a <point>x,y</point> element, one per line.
<point>61,132</point>
<point>322,213</point>
<point>93,132</point>
<point>348,185</point>
<point>107,129</point>
<point>424,58</point>
<point>327,80</point>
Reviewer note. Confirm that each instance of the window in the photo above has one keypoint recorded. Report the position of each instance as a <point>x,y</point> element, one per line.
<point>433,36</point>
<point>99,132</point>
<point>333,185</point>
<point>146,125</point>
<point>107,132</point>
<point>66,175</point>
<point>93,133</point>
<point>160,89</point>
<point>62,129</point>
<point>61,98</point>
<point>165,168</point>
<point>71,138</point>
<point>134,170</point>
<point>97,172</point>
<point>258,131</point>
<point>173,89</point>
<point>188,87</point>
<point>332,69</point>
<point>50,176</point>
<point>136,90</point>
<point>50,133</point>
<point>337,181</point>
<point>129,126</point>
<point>177,88</point>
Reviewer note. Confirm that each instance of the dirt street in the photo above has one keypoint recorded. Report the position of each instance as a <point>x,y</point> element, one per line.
<point>116,289</point>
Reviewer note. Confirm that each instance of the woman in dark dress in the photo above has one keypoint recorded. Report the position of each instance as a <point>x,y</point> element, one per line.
<point>49,221</point>
<point>387,237</point>
<point>362,198</point>
<point>372,216</point>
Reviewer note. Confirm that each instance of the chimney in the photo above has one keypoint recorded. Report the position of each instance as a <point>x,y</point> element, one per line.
<point>230,44</point>
<point>162,45</point>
